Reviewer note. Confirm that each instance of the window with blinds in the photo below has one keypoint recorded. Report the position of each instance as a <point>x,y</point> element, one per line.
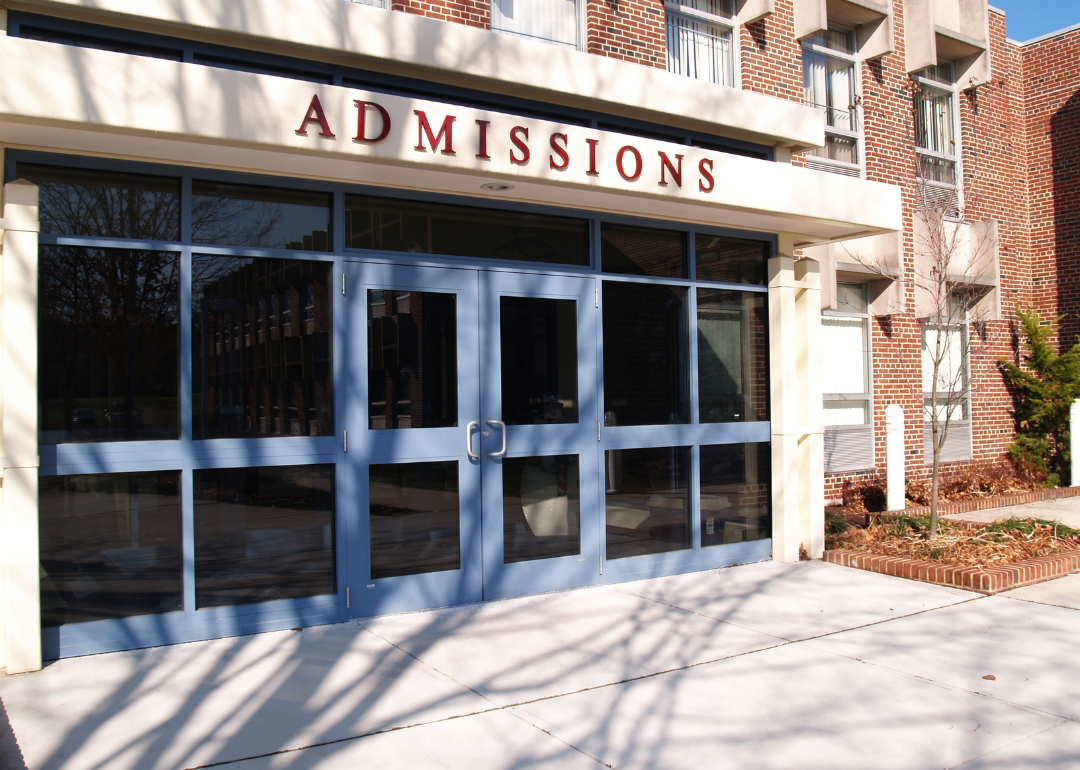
<point>936,158</point>
<point>700,40</point>
<point>552,21</point>
<point>829,84</point>
<point>946,343</point>
<point>845,345</point>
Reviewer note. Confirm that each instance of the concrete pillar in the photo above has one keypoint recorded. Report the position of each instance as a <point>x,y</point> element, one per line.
<point>797,414</point>
<point>19,573</point>
<point>895,482</point>
<point>1074,444</point>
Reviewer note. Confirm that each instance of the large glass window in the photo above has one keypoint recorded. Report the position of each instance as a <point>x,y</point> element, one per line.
<point>539,352</point>
<point>259,217</point>
<point>385,224</point>
<point>647,508</point>
<point>260,331</point>
<point>110,546</point>
<point>735,493</point>
<point>551,21</point>
<point>106,204</point>
<point>645,354</point>
<point>541,508</point>
<point>108,344</point>
<point>829,83</point>
<point>263,534</point>
<point>732,260</point>
<point>643,251</point>
<point>700,39</point>
<point>412,359</point>
<point>732,329</point>
<point>415,518</point>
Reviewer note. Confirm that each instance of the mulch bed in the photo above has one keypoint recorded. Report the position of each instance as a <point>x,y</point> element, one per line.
<point>980,557</point>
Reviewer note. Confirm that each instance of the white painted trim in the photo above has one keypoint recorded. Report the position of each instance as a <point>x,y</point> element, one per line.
<point>110,104</point>
<point>412,45</point>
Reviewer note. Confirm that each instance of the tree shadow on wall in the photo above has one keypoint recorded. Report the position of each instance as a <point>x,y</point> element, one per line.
<point>1065,157</point>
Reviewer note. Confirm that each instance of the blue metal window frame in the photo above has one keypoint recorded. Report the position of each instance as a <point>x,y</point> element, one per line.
<point>197,52</point>
<point>188,455</point>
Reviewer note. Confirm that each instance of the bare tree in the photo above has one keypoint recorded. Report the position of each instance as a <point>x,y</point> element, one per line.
<point>953,281</point>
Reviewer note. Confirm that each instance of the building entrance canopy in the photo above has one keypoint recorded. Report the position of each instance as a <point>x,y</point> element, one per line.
<point>101,102</point>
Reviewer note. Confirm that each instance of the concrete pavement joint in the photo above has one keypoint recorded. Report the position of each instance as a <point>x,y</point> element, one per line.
<point>1007,745</point>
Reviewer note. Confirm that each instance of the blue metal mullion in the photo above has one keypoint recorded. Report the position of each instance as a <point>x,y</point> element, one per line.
<point>694,485</point>
<point>695,497</point>
<point>601,501</point>
<point>346,508</point>
<point>187,498</point>
<point>337,222</point>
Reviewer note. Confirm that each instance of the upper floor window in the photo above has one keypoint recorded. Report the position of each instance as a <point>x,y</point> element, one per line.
<point>830,84</point>
<point>552,21</point>
<point>936,156</point>
<point>700,39</point>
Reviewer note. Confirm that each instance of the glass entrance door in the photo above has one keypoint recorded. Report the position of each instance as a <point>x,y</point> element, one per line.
<point>541,528</point>
<point>470,424</point>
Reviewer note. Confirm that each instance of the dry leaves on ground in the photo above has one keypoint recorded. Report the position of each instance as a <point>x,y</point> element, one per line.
<point>1000,543</point>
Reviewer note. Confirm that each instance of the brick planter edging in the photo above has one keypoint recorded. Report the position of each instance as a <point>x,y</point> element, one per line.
<point>986,580</point>
<point>1000,501</point>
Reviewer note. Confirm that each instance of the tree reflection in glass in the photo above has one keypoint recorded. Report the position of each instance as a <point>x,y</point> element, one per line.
<point>108,345</point>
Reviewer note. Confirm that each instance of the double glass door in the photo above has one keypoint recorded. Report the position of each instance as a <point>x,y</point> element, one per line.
<point>472,454</point>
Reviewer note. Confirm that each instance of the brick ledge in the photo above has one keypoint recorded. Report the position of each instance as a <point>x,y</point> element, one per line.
<point>985,580</point>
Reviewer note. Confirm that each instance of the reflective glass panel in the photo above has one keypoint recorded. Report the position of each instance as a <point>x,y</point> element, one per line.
<point>412,359</point>
<point>110,546</point>
<point>541,508</point>
<point>260,348</point>
<point>539,360</point>
<point>642,251</point>
<point>645,354</point>
<point>415,518</point>
<point>259,217</point>
<point>735,493</point>
<point>733,260</point>
<point>263,534</point>
<point>732,356</point>
<point>386,224</point>
<point>108,345</point>
<point>106,204</point>
<point>647,507</point>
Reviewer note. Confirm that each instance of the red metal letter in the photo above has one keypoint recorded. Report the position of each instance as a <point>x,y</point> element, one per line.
<point>707,173</point>
<point>447,130</point>
<point>516,137</point>
<point>361,122</point>
<point>560,151</point>
<point>637,159</point>
<point>592,157</point>
<point>666,165</point>
<point>315,114</point>
<point>483,154</point>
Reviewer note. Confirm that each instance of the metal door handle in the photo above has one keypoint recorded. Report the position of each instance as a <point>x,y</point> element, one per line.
<point>502,426</point>
<point>468,439</point>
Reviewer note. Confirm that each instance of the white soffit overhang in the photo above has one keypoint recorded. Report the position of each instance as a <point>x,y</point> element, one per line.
<point>66,99</point>
<point>357,35</point>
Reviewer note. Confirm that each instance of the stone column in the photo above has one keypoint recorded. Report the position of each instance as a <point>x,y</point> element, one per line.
<point>797,416</point>
<point>20,623</point>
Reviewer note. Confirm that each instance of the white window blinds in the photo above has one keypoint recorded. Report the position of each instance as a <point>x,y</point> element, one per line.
<point>843,341</point>
<point>553,21</point>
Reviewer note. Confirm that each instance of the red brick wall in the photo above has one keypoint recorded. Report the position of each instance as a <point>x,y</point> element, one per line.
<point>771,57</point>
<point>630,30</point>
<point>994,149</point>
<point>472,13</point>
<point>1051,83</point>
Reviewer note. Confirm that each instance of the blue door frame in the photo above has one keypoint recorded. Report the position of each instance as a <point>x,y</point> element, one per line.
<point>474,443</point>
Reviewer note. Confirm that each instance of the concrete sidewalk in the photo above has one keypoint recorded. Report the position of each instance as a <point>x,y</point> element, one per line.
<point>1065,510</point>
<point>768,665</point>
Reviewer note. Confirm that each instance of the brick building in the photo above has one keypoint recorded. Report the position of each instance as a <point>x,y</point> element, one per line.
<point>333,309</point>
